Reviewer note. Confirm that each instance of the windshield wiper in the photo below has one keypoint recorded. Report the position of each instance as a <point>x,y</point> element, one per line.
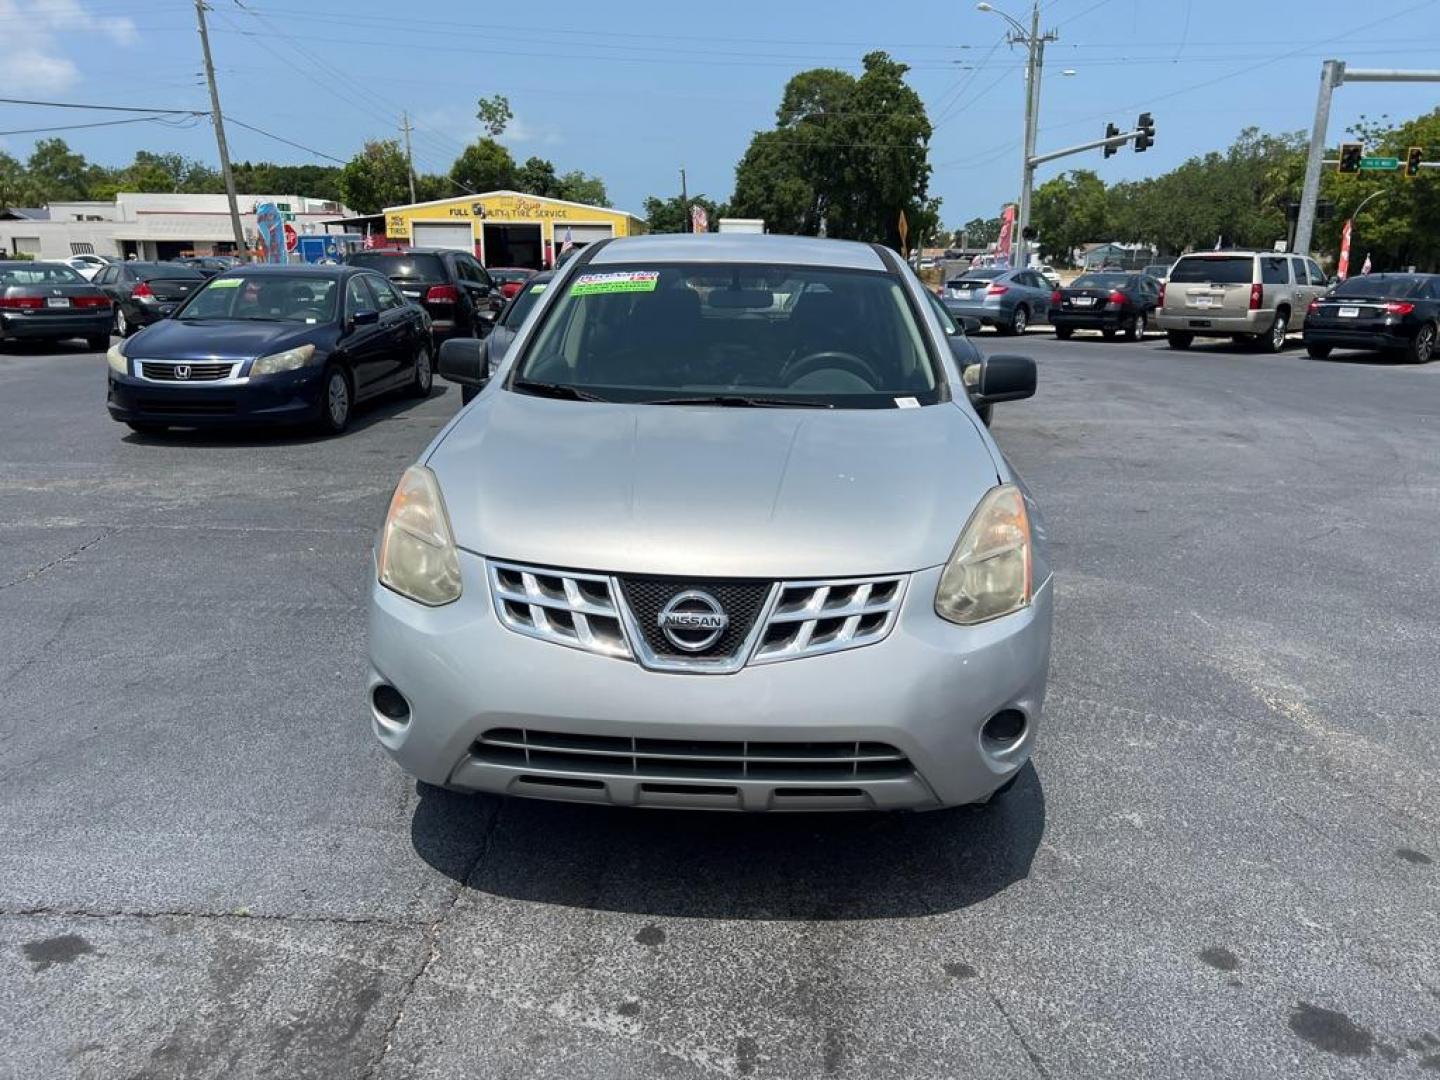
<point>555,390</point>
<point>745,401</point>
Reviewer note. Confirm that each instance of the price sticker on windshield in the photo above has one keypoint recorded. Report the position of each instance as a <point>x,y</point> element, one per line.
<point>227,283</point>
<point>625,282</point>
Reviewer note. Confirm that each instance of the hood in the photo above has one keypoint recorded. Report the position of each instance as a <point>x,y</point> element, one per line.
<point>724,492</point>
<point>218,339</point>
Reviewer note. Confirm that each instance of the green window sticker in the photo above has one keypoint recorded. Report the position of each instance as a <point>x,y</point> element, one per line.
<point>539,288</point>
<point>624,282</point>
<point>227,283</point>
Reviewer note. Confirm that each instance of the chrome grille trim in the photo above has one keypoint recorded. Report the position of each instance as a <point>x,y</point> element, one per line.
<point>677,759</point>
<point>811,618</point>
<point>562,606</point>
<point>201,371</point>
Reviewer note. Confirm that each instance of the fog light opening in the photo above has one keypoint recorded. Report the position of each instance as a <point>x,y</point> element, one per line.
<point>390,703</point>
<point>1005,728</point>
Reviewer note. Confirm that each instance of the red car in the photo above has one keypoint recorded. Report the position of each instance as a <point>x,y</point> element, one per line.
<point>510,278</point>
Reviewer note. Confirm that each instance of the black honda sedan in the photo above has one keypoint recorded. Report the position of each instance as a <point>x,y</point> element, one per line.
<point>1395,313</point>
<point>143,293</point>
<point>273,345</point>
<point>49,301</point>
<point>1112,303</point>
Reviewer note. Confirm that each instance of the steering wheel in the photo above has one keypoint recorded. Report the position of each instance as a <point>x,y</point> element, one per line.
<point>832,359</point>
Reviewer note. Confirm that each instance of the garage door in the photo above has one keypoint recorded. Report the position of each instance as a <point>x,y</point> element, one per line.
<point>442,234</point>
<point>584,234</point>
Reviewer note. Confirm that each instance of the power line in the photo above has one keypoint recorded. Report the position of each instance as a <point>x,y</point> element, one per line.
<point>77,127</point>
<point>287,142</point>
<point>105,108</point>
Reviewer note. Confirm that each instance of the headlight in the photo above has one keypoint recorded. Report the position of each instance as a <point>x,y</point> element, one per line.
<point>289,360</point>
<point>417,549</point>
<point>116,359</point>
<point>988,574</point>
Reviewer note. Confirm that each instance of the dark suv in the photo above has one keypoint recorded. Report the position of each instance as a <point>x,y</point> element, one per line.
<point>451,286</point>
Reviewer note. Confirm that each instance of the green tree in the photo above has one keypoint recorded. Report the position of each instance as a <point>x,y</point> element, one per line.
<point>582,188</point>
<point>16,187</point>
<point>537,177</point>
<point>672,216</point>
<point>1068,211</point>
<point>482,166</point>
<point>376,177</point>
<point>977,232</point>
<point>494,114</point>
<point>57,173</point>
<point>847,154</point>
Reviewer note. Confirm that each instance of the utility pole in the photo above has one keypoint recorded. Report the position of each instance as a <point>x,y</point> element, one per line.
<point>1334,73</point>
<point>218,120</point>
<point>684,203</point>
<point>409,159</point>
<point>1034,41</point>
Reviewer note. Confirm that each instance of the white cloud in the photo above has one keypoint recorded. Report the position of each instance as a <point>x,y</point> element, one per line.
<point>34,59</point>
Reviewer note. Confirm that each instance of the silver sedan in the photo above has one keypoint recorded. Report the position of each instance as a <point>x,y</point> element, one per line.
<point>722,531</point>
<point>1009,300</point>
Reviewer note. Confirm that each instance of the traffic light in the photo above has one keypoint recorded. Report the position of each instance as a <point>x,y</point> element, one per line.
<point>1413,157</point>
<point>1350,155</point>
<point>1146,124</point>
<point>1110,132</point>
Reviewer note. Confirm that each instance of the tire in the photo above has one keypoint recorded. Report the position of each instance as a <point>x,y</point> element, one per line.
<point>1317,352</point>
<point>1179,339</point>
<point>1020,320</point>
<point>424,373</point>
<point>1136,330</point>
<point>1063,332</point>
<point>1421,349</point>
<point>1273,340</point>
<point>337,400</point>
<point>144,428</point>
<point>123,326</point>
<point>97,342</point>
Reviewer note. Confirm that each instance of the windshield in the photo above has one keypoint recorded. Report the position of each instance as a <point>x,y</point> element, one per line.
<point>743,334</point>
<point>263,298</point>
<point>509,277</point>
<point>1387,285</point>
<point>522,305</point>
<point>1220,269</point>
<point>412,267</point>
<point>40,274</point>
<point>1100,281</point>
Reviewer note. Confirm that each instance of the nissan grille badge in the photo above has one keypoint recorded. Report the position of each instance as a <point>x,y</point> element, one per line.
<point>693,621</point>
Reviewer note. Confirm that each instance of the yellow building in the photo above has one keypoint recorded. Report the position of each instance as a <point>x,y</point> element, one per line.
<point>506,228</point>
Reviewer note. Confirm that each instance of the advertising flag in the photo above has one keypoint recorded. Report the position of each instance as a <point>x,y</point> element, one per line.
<point>1007,225</point>
<point>699,219</point>
<point>1342,268</point>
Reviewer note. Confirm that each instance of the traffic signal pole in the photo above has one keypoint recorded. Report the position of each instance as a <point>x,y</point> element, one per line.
<point>1334,73</point>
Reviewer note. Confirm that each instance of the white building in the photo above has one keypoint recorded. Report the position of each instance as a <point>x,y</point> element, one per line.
<point>149,225</point>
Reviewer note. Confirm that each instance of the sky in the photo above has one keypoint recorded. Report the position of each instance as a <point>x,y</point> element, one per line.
<point>634,90</point>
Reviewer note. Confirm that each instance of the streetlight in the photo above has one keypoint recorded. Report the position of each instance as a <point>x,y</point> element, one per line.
<point>1034,41</point>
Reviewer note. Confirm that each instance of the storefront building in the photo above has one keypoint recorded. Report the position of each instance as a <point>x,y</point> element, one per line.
<point>506,228</point>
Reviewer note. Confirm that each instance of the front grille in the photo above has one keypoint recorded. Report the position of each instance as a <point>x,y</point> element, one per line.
<point>616,756</point>
<point>742,602</point>
<point>562,606</point>
<point>818,617</point>
<point>165,372</point>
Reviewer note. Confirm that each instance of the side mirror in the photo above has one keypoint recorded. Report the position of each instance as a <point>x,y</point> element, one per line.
<point>465,361</point>
<point>365,318</point>
<point>1001,378</point>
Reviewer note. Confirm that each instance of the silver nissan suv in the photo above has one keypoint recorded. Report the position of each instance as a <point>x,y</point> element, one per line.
<point>722,531</point>
<point>1252,297</point>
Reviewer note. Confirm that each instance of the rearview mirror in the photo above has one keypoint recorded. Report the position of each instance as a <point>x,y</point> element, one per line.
<point>465,361</point>
<point>1002,378</point>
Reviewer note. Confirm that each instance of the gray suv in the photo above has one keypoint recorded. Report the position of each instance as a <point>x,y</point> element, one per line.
<point>1254,297</point>
<point>723,531</point>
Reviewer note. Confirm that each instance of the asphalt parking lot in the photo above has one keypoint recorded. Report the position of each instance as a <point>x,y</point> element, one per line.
<point>1224,862</point>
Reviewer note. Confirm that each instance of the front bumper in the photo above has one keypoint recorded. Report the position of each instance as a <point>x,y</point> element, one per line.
<point>1197,321</point>
<point>293,397</point>
<point>926,689</point>
<point>55,327</point>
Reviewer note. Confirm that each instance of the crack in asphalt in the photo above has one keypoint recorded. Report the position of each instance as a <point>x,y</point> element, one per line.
<point>432,951</point>
<point>1035,1062</point>
<point>238,915</point>
<point>33,574</point>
